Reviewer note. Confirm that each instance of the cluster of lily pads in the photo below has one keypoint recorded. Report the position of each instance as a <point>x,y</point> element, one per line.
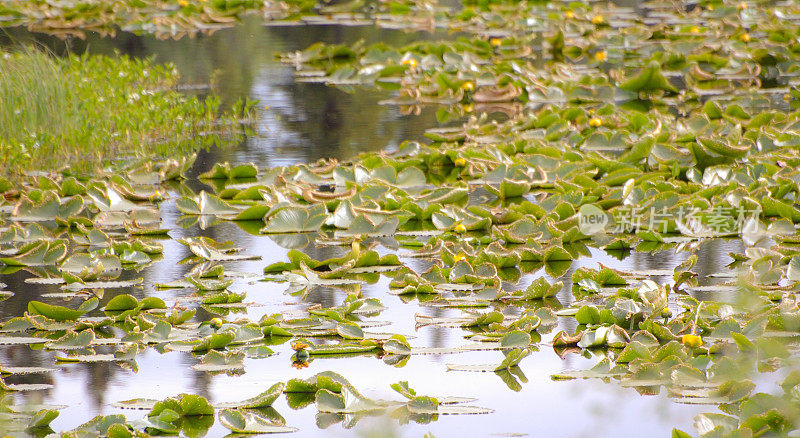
<point>676,127</point>
<point>335,399</point>
<point>177,18</point>
<point>573,54</point>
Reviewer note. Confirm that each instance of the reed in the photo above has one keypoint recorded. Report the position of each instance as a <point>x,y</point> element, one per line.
<point>34,98</point>
<point>80,112</point>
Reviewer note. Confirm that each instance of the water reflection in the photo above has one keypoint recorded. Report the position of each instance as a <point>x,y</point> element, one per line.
<point>298,122</point>
<point>162,375</point>
<point>304,122</point>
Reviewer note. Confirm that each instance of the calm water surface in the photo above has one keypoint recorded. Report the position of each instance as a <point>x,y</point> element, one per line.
<point>300,123</point>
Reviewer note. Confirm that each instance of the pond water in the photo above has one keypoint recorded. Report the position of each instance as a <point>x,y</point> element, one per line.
<point>302,122</point>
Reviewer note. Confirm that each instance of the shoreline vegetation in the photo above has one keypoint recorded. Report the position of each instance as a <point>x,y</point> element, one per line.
<point>80,112</point>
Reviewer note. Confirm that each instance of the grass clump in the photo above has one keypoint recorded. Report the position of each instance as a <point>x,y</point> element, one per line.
<point>83,111</point>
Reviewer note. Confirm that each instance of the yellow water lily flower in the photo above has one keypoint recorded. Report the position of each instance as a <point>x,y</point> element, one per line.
<point>598,19</point>
<point>569,14</point>
<point>601,56</point>
<point>460,228</point>
<point>410,62</point>
<point>692,341</point>
<point>745,37</point>
<point>468,86</point>
<point>183,3</point>
<point>495,41</point>
<point>468,107</point>
<point>694,29</point>
<point>216,323</point>
<point>460,256</point>
<point>595,122</point>
<point>460,162</point>
<point>299,345</point>
<point>741,5</point>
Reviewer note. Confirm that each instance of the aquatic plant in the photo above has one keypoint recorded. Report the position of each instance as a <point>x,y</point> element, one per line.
<point>619,135</point>
<point>55,112</point>
<point>176,18</point>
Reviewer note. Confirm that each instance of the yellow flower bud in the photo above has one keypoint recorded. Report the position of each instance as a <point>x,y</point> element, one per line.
<point>595,122</point>
<point>299,345</point>
<point>468,86</point>
<point>460,162</point>
<point>598,19</point>
<point>460,256</point>
<point>692,341</point>
<point>570,15</point>
<point>410,62</point>
<point>745,37</point>
<point>460,228</point>
<point>601,56</point>
<point>495,41</point>
<point>741,5</point>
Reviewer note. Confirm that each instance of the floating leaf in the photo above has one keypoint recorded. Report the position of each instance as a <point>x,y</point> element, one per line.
<point>296,219</point>
<point>59,313</point>
<point>648,80</point>
<point>246,422</point>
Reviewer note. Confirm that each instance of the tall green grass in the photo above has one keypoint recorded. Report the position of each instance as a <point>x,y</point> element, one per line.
<point>79,112</point>
<point>34,98</point>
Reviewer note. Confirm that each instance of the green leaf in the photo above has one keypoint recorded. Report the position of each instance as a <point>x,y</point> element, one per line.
<point>58,313</point>
<point>266,398</point>
<point>515,339</point>
<point>509,188</point>
<point>205,204</point>
<point>195,405</point>
<point>349,331</point>
<point>484,319</point>
<point>42,418</point>
<point>648,80</point>
<point>512,359</point>
<point>72,340</point>
<point>296,219</point>
<point>121,303</point>
<point>248,422</point>
<point>404,389</point>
